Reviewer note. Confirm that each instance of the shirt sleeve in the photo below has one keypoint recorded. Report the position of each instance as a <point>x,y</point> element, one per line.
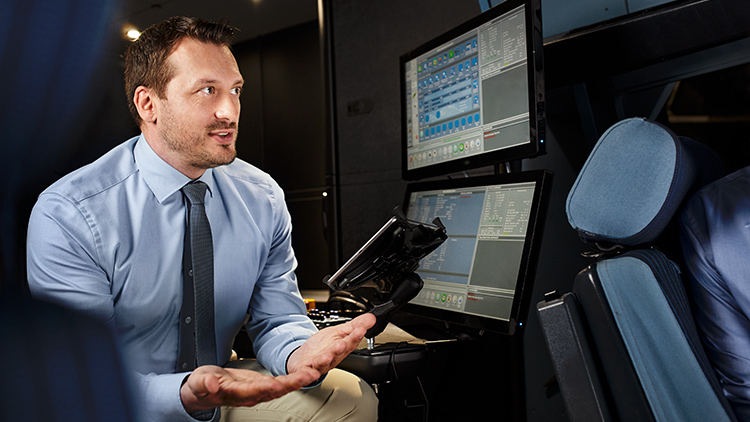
<point>278,321</point>
<point>63,268</point>
<point>724,326</point>
<point>62,259</point>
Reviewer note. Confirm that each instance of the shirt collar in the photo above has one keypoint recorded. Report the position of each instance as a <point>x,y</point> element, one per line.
<point>163,179</point>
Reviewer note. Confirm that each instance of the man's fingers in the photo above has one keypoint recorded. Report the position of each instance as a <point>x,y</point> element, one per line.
<point>350,336</point>
<point>283,383</point>
<point>327,348</point>
<point>210,386</point>
<point>250,388</point>
<point>360,326</point>
<point>301,378</point>
<point>365,321</point>
<point>203,382</point>
<point>356,327</point>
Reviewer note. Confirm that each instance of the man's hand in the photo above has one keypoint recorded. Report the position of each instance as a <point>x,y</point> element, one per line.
<point>329,346</point>
<point>213,386</point>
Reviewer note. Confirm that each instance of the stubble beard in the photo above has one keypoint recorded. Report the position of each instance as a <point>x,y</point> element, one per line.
<point>188,145</point>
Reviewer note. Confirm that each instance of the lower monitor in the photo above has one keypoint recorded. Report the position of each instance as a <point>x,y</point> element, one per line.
<point>482,276</point>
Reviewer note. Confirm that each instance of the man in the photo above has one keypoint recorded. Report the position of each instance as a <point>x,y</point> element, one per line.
<point>715,242</point>
<point>108,240</point>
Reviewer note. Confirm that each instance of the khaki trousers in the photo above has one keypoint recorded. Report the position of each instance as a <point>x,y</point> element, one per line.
<point>340,397</point>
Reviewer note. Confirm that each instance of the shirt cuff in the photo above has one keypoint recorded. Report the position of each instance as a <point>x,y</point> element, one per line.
<point>316,383</point>
<point>160,398</point>
<point>312,384</point>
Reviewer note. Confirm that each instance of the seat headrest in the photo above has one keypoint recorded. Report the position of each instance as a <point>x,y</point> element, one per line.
<point>634,180</point>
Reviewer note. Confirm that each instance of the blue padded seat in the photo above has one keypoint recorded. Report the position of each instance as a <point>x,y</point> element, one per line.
<point>642,288</point>
<point>634,180</point>
<point>635,321</point>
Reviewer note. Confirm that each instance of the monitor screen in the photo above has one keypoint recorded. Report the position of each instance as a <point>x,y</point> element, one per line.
<point>475,96</point>
<point>482,275</point>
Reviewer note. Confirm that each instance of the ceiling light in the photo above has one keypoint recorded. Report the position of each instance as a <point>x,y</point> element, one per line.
<point>133,34</point>
<point>130,32</point>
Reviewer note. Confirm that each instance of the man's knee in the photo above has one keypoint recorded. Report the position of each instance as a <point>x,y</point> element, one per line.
<point>353,398</point>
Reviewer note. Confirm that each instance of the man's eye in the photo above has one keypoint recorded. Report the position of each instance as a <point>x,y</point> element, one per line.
<point>237,91</point>
<point>208,90</point>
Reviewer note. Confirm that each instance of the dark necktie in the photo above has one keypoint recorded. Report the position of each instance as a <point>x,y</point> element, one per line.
<point>197,336</point>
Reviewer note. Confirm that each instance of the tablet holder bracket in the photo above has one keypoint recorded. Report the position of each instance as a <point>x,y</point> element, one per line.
<point>388,262</point>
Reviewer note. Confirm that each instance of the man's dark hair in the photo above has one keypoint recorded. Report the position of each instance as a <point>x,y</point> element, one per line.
<point>146,58</point>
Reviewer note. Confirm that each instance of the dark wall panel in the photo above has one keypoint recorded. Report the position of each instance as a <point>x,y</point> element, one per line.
<point>282,131</point>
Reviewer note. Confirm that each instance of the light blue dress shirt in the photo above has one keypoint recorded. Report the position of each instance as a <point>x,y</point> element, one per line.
<point>716,246</point>
<point>107,239</point>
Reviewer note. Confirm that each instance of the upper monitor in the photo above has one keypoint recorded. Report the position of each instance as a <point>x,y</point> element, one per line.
<point>482,275</point>
<point>474,96</point>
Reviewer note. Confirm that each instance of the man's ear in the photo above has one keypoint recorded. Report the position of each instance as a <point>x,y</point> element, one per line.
<point>145,104</point>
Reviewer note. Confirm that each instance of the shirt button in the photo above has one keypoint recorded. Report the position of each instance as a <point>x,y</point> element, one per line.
<point>188,320</point>
<point>184,365</point>
<point>190,273</point>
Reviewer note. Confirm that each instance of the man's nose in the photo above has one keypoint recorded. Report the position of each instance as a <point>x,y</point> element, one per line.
<point>228,108</point>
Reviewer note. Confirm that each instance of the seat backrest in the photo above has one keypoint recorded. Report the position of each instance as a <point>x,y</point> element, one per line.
<point>627,324</point>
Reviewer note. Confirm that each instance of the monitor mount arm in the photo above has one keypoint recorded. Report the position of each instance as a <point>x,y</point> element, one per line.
<point>406,289</point>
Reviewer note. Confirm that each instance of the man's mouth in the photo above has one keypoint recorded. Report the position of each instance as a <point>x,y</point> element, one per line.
<point>223,135</point>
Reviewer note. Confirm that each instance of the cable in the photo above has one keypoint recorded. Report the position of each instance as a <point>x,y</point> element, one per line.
<point>392,359</point>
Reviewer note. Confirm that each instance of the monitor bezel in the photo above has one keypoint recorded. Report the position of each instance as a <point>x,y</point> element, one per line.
<point>535,74</point>
<point>530,258</point>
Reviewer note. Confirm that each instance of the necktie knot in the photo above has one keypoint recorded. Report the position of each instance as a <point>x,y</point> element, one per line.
<point>195,192</point>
